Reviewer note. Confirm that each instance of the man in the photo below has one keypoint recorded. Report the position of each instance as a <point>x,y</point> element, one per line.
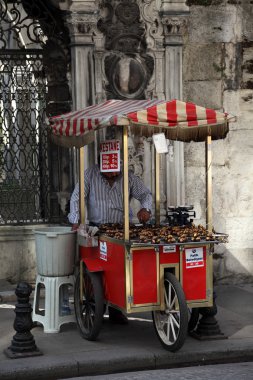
<point>104,198</point>
<point>104,201</point>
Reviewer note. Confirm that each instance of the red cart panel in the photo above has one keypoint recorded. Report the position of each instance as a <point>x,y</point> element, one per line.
<point>169,254</point>
<point>144,276</point>
<point>112,257</point>
<point>194,273</point>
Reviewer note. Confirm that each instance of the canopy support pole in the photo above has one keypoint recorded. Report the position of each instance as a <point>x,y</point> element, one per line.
<point>209,206</point>
<point>157,188</point>
<point>81,186</point>
<point>125,183</point>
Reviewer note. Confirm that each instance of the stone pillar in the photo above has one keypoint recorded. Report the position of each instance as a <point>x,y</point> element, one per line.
<point>159,73</point>
<point>82,22</point>
<point>174,7</point>
<point>173,19</point>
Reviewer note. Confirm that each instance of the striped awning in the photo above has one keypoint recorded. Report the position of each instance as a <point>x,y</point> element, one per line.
<point>178,120</point>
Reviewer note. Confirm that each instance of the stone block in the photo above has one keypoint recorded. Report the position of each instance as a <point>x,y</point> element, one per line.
<point>204,93</point>
<point>232,195</point>
<point>240,230</point>
<point>247,26</point>
<point>215,24</point>
<point>240,152</point>
<point>202,62</point>
<point>247,73</point>
<point>232,59</point>
<point>194,154</point>
<point>231,103</point>
<point>17,255</point>
<point>195,190</point>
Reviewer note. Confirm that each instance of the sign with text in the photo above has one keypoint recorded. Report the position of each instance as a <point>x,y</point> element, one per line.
<point>103,250</point>
<point>169,249</point>
<point>110,156</point>
<point>194,257</point>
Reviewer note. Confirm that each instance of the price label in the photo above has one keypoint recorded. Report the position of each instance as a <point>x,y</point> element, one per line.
<point>110,156</point>
<point>160,143</point>
<point>169,249</point>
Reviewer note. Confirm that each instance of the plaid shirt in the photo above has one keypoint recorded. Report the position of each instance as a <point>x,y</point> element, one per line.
<point>105,203</point>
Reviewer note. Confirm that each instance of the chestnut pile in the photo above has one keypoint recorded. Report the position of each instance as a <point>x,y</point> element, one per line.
<point>159,234</point>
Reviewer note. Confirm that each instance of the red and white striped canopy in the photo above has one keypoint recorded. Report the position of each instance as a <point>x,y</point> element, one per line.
<point>178,120</point>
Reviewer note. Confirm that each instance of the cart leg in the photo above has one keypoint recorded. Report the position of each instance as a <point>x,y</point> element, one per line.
<point>208,327</point>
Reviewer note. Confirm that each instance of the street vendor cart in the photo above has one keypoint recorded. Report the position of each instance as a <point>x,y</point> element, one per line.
<point>164,268</point>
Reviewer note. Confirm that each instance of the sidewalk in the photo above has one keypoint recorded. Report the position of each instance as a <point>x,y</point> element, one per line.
<point>128,348</point>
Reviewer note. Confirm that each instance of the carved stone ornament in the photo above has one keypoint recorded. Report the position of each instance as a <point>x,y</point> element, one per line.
<point>135,157</point>
<point>173,25</point>
<point>127,75</point>
<point>127,68</point>
<point>149,14</point>
<point>82,23</point>
<point>122,27</point>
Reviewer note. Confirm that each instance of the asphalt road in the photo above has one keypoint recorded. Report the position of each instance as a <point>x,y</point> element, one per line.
<point>242,371</point>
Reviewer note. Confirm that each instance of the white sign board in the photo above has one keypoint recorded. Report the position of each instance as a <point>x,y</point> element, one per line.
<point>194,257</point>
<point>160,143</point>
<point>169,249</point>
<point>110,156</point>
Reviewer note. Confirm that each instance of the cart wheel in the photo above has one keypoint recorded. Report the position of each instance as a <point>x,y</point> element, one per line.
<point>193,315</point>
<point>172,323</point>
<point>89,311</point>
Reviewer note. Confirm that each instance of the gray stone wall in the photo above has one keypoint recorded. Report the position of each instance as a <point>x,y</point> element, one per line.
<point>218,73</point>
<point>17,254</point>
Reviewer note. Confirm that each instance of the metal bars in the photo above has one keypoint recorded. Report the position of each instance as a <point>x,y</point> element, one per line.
<point>24,185</point>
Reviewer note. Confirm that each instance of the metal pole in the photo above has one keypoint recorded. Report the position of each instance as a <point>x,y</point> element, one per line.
<point>81,186</point>
<point>81,208</point>
<point>125,183</point>
<point>23,343</point>
<point>157,188</point>
<point>209,215</point>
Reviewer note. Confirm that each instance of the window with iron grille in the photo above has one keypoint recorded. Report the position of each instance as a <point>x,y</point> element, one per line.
<point>28,161</point>
<point>24,184</point>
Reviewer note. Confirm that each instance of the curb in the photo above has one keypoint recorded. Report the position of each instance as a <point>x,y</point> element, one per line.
<point>8,296</point>
<point>55,368</point>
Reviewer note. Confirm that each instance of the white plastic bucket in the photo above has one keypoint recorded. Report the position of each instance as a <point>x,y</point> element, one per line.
<point>55,251</point>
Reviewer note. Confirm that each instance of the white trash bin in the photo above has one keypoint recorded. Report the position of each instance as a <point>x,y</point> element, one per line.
<point>55,251</point>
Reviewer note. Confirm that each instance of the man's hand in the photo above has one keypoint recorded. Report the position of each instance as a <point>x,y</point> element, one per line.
<point>74,227</point>
<point>143,215</point>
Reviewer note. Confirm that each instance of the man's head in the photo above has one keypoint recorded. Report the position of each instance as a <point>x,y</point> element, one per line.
<point>111,174</point>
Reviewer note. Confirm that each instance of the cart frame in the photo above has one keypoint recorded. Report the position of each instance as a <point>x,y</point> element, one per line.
<point>112,272</point>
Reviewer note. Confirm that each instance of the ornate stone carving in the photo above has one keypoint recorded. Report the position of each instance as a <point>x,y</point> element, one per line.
<point>174,25</point>
<point>127,68</point>
<point>127,75</point>
<point>127,12</point>
<point>122,27</point>
<point>149,14</point>
<point>84,23</point>
<point>135,157</point>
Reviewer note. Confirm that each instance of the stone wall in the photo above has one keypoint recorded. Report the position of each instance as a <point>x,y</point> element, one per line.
<point>218,73</point>
<point>17,254</point>
<point>217,70</point>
